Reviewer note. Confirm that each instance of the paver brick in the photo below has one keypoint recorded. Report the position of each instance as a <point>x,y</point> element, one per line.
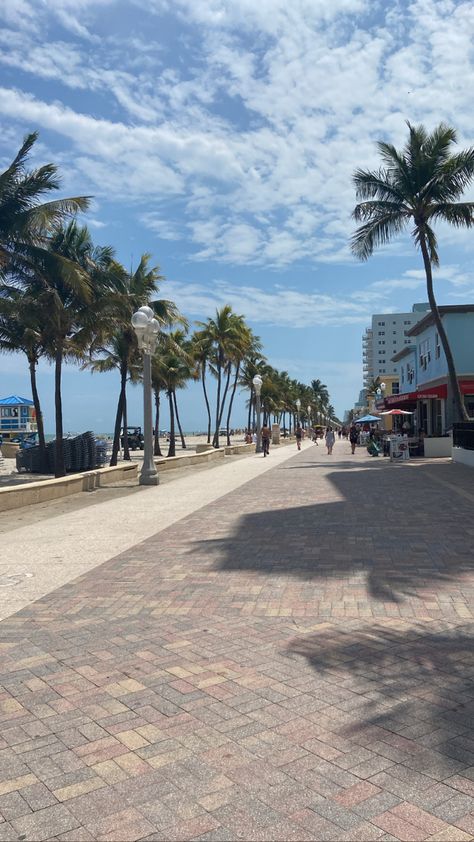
<point>282,664</point>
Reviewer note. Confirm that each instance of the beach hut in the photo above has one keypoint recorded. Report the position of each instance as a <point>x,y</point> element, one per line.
<point>17,417</point>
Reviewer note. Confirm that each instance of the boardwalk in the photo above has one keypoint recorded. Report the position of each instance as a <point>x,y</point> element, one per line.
<point>293,661</point>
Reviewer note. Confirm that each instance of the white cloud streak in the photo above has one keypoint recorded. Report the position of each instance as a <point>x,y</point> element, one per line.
<point>256,127</point>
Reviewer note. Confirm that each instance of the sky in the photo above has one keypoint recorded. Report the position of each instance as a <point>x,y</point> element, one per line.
<point>221,137</point>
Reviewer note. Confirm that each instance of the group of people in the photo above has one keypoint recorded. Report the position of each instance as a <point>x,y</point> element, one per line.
<point>352,434</point>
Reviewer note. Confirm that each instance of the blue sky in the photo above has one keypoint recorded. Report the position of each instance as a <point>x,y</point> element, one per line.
<point>221,135</point>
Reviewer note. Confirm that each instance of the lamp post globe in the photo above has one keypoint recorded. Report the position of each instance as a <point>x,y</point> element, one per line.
<point>257,385</point>
<point>298,406</point>
<point>147,328</point>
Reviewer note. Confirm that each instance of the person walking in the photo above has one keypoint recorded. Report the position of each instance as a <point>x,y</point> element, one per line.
<point>299,436</point>
<point>353,437</point>
<point>330,439</point>
<point>266,433</point>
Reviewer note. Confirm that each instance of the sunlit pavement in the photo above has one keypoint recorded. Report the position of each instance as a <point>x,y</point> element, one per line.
<point>292,661</point>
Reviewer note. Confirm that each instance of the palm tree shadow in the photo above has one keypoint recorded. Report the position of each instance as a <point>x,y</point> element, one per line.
<point>417,687</point>
<point>370,535</point>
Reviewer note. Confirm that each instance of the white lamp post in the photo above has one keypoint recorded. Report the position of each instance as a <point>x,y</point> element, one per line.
<point>257,385</point>
<point>298,406</point>
<point>147,329</point>
<point>309,414</point>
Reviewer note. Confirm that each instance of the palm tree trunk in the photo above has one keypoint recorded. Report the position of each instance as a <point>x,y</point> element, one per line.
<point>118,417</point>
<point>39,415</point>
<point>224,397</point>
<point>60,468</point>
<point>183,443</point>
<point>215,442</point>
<point>209,422</point>
<point>234,387</point>
<point>172,447</point>
<point>126,447</point>
<point>459,410</point>
<point>156,445</point>
<point>249,417</point>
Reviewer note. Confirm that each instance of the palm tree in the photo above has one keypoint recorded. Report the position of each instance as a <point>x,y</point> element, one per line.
<point>201,350</point>
<point>20,330</point>
<point>252,365</point>
<point>70,306</point>
<point>25,222</point>
<point>131,290</point>
<point>171,366</point>
<point>247,344</point>
<point>418,185</point>
<point>222,333</point>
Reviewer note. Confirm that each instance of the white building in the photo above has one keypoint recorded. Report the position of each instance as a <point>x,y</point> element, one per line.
<point>385,338</point>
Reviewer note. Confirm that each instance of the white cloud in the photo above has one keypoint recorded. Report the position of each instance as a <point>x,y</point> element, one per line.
<point>281,306</point>
<point>257,125</point>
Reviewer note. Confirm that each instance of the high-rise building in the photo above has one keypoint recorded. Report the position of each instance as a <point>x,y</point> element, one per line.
<point>385,338</point>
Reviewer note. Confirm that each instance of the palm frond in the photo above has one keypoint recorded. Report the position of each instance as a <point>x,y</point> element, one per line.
<point>378,231</point>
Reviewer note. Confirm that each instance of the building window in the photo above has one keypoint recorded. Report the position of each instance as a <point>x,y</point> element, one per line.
<point>407,323</point>
<point>381,341</point>
<point>437,347</point>
<point>395,388</point>
<point>381,324</point>
<point>381,333</point>
<point>425,354</point>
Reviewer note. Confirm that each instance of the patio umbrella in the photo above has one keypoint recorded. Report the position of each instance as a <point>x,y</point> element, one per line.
<point>367,419</point>
<point>396,412</point>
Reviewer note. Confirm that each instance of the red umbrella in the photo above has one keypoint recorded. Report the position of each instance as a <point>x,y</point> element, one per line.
<point>396,412</point>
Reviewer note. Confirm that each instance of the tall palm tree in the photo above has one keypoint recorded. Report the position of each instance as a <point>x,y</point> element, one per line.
<point>20,330</point>
<point>70,307</point>
<point>171,365</point>
<point>25,221</point>
<point>131,290</point>
<point>201,350</point>
<point>247,344</point>
<point>419,185</point>
<point>222,332</point>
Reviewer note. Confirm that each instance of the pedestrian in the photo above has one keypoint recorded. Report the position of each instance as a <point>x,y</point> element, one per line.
<point>330,439</point>
<point>353,437</point>
<point>339,434</point>
<point>266,433</point>
<point>299,435</point>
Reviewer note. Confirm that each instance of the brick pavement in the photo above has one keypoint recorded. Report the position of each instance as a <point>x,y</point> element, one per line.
<point>291,662</point>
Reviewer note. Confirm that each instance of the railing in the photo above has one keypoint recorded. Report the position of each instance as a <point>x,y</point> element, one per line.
<point>463,435</point>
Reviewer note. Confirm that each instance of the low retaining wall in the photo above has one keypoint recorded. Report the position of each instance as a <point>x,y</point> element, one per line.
<point>53,489</point>
<point>171,462</point>
<point>464,457</point>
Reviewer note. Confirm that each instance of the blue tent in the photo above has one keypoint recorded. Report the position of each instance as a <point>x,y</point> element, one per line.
<point>367,419</point>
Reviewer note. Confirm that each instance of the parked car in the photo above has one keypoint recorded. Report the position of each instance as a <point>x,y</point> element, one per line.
<point>135,438</point>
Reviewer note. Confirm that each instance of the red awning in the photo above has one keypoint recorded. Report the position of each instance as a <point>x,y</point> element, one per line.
<point>467,387</point>
<point>440,391</point>
<point>392,401</point>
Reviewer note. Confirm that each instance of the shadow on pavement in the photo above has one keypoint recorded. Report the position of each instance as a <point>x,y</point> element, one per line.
<point>401,530</point>
<point>417,684</point>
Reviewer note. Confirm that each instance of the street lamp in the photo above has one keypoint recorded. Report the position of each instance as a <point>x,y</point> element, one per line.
<point>257,385</point>
<point>298,407</point>
<point>309,414</point>
<point>147,329</point>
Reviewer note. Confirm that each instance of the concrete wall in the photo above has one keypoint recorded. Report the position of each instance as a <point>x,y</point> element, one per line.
<point>172,462</point>
<point>465,457</point>
<point>53,489</point>
<point>436,447</point>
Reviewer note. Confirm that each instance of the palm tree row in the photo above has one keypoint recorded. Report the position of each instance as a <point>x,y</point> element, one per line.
<point>66,300</point>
